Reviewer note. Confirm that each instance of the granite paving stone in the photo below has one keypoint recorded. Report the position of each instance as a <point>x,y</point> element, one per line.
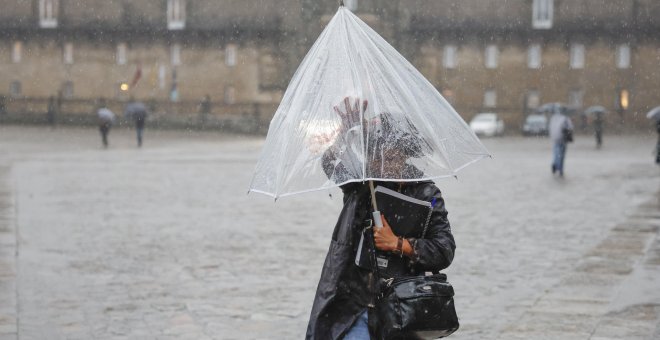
<point>163,242</point>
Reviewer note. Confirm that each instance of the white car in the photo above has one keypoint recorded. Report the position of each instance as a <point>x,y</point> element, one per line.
<point>487,124</point>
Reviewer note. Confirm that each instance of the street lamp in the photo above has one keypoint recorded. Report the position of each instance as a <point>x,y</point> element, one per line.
<point>623,99</point>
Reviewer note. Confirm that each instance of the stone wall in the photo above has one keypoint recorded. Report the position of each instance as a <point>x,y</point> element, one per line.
<point>271,38</point>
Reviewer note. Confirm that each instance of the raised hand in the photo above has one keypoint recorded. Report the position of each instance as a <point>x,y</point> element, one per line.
<point>349,111</point>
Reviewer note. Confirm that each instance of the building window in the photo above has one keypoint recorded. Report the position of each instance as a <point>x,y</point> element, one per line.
<point>15,89</point>
<point>175,54</point>
<point>623,56</point>
<point>490,98</point>
<point>230,55</point>
<point>491,56</point>
<point>162,73</point>
<point>575,98</point>
<point>577,56</point>
<point>352,5</point>
<point>174,93</point>
<point>449,56</point>
<point>176,14</point>
<point>68,53</point>
<point>534,56</point>
<point>17,52</point>
<point>48,13</point>
<point>67,89</point>
<point>542,12</point>
<point>532,99</point>
<point>122,50</point>
<point>230,95</point>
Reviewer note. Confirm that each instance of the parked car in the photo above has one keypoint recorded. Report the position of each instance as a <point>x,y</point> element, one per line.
<point>536,124</point>
<point>487,124</point>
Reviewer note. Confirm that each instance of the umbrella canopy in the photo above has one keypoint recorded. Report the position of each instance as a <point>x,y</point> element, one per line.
<point>596,109</point>
<point>135,110</point>
<point>654,113</point>
<point>105,114</point>
<point>352,105</point>
<point>552,108</point>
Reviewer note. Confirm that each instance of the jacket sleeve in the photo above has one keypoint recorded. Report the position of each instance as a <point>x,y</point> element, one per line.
<point>334,162</point>
<point>435,251</point>
<point>328,161</point>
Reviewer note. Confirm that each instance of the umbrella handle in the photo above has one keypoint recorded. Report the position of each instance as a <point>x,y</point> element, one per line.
<point>378,221</point>
<point>376,214</point>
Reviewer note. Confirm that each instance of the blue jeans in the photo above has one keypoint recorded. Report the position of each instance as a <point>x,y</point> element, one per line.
<point>360,329</point>
<point>559,151</point>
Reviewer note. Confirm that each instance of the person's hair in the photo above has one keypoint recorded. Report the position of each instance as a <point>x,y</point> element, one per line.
<point>390,133</point>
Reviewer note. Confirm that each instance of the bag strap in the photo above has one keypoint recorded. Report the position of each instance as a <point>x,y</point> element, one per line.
<point>428,220</point>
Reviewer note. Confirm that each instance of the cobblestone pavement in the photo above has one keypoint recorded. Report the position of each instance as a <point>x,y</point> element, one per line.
<point>163,242</point>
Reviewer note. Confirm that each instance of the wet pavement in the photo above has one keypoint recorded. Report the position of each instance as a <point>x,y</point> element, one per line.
<point>163,242</point>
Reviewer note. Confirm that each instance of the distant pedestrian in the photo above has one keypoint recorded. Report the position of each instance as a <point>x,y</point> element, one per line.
<point>51,111</point>
<point>598,128</point>
<point>3,105</point>
<point>137,111</point>
<point>106,119</point>
<point>204,110</point>
<point>657,146</point>
<point>561,133</point>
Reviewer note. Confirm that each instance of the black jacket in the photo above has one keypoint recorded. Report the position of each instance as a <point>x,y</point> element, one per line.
<point>346,290</point>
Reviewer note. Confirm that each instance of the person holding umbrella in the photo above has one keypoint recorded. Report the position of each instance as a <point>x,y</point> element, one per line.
<point>137,111</point>
<point>654,114</point>
<point>344,301</point>
<point>598,112</point>
<point>106,118</point>
<point>326,134</point>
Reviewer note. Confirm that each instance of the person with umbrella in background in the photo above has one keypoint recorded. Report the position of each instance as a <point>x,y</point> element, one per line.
<point>598,113</point>
<point>561,133</point>
<point>105,119</point>
<point>137,111</point>
<point>654,115</point>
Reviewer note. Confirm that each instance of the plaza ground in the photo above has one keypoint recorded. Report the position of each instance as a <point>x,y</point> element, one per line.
<point>163,242</point>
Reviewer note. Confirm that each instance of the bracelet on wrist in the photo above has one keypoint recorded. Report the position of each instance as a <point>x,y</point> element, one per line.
<point>399,246</point>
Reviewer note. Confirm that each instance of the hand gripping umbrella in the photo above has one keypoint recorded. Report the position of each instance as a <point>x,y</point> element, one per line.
<point>353,106</point>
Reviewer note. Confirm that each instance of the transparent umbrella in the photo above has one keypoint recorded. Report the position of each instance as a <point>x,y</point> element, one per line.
<point>594,110</point>
<point>352,105</point>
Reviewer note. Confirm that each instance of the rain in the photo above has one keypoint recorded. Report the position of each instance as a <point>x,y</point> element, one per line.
<point>173,169</point>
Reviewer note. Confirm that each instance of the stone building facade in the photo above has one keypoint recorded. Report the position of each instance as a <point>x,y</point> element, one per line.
<point>505,56</point>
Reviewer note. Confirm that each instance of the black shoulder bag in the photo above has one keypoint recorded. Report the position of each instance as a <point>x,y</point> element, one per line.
<point>567,135</point>
<point>416,307</point>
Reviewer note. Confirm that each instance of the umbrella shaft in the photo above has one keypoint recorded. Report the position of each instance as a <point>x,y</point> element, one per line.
<point>376,214</point>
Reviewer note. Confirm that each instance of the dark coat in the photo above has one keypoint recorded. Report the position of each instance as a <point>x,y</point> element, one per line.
<point>345,290</point>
